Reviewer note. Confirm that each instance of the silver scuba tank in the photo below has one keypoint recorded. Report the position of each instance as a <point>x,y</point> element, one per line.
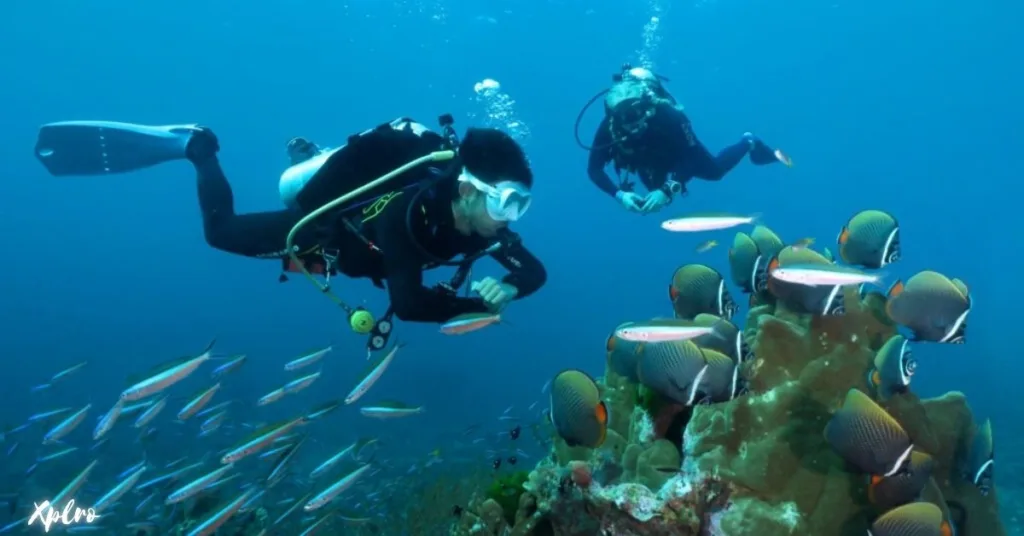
<point>295,178</point>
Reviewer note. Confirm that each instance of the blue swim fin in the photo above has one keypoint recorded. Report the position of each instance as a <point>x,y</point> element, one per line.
<point>83,148</point>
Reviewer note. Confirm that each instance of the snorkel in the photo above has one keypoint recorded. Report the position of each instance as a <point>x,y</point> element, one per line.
<point>628,72</point>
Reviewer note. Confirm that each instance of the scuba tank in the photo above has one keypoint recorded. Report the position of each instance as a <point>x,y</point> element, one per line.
<point>295,178</point>
<point>630,84</point>
<point>305,179</point>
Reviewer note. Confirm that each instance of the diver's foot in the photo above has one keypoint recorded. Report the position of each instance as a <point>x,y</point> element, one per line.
<point>761,154</point>
<point>203,145</point>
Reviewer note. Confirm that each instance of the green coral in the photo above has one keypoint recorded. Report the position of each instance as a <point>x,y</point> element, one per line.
<point>650,401</point>
<point>506,491</point>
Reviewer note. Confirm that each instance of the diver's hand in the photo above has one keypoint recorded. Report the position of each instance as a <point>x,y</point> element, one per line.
<point>655,201</point>
<point>629,200</point>
<point>495,294</point>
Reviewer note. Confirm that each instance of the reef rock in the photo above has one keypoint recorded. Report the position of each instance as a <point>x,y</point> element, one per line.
<point>756,465</point>
<point>770,448</point>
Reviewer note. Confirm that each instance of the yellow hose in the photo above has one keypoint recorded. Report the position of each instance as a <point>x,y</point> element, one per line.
<point>436,156</point>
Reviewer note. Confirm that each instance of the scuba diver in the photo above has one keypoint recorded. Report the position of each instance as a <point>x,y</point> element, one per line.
<point>392,202</point>
<point>645,133</point>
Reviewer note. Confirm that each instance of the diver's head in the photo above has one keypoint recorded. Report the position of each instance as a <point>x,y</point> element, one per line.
<point>494,186</point>
<point>632,102</point>
<point>300,149</point>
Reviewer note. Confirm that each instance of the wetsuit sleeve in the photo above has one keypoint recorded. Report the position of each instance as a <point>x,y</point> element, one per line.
<point>526,272</point>
<point>258,234</point>
<point>599,158</point>
<point>403,271</point>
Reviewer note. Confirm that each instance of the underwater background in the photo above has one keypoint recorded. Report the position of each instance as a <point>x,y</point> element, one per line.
<point>910,107</point>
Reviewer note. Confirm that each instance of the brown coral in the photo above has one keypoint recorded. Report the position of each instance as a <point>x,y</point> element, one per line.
<point>770,446</point>
<point>757,465</point>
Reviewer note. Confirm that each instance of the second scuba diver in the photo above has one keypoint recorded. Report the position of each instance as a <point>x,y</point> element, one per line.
<point>645,133</point>
<point>424,212</point>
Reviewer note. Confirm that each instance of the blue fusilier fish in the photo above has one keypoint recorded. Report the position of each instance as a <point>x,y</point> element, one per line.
<point>219,517</point>
<point>327,495</point>
<point>66,426</point>
<point>118,491</point>
<point>197,485</point>
<point>166,376</point>
<point>233,364</point>
<point>390,409</point>
<point>307,359</point>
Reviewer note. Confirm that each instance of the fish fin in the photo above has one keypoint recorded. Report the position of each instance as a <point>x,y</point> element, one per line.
<point>603,437</point>
<point>601,412</point>
<point>843,238</point>
<point>672,293</point>
<point>896,289</point>
<point>759,279</point>
<point>873,377</point>
<point>873,481</point>
<point>209,347</point>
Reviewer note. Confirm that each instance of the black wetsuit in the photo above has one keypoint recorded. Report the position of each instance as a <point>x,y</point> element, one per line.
<point>667,149</point>
<point>392,249</point>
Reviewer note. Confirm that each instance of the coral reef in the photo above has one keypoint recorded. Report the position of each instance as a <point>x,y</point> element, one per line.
<point>506,490</point>
<point>755,465</point>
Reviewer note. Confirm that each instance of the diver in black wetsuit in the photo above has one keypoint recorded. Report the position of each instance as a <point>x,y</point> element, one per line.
<point>645,133</point>
<point>436,214</point>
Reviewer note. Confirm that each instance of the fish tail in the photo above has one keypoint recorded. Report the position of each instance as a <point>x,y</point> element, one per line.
<point>209,347</point>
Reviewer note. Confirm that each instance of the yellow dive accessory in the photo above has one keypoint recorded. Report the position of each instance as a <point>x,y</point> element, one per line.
<point>359,319</point>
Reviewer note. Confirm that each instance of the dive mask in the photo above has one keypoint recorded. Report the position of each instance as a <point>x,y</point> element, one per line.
<point>629,118</point>
<point>506,201</point>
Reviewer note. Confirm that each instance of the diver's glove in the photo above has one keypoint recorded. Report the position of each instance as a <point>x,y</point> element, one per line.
<point>655,201</point>
<point>629,200</point>
<point>203,145</point>
<point>495,294</point>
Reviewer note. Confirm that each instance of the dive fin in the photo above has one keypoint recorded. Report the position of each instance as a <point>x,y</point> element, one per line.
<point>761,154</point>
<point>84,148</point>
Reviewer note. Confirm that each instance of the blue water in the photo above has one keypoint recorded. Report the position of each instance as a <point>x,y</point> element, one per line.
<point>911,107</point>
